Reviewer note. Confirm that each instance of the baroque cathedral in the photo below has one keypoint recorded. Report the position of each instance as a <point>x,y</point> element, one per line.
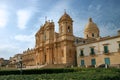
<point>52,47</point>
<point>56,48</point>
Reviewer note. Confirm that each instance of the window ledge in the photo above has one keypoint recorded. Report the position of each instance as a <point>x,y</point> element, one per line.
<point>107,53</point>
<point>82,66</point>
<point>92,54</point>
<point>81,56</point>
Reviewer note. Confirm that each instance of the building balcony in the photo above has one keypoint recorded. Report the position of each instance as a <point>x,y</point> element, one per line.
<point>81,55</point>
<point>106,52</point>
<point>92,54</point>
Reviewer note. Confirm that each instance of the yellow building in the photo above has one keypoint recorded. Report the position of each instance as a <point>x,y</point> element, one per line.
<point>93,50</point>
<point>52,47</point>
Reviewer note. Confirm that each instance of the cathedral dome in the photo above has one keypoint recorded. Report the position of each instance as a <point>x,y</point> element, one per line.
<point>91,30</point>
<point>65,17</point>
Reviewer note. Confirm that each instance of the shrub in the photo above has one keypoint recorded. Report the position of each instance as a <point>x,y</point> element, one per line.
<point>66,74</point>
<point>36,71</point>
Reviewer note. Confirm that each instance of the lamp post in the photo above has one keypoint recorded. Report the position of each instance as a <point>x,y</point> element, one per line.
<point>0,66</point>
<point>20,64</point>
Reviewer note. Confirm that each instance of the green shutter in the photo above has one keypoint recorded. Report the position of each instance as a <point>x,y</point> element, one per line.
<point>93,62</point>
<point>107,61</point>
<point>92,51</point>
<point>105,49</point>
<point>81,53</point>
<point>82,63</point>
<point>119,45</point>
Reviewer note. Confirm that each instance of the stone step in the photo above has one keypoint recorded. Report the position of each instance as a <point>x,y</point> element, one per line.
<point>55,66</point>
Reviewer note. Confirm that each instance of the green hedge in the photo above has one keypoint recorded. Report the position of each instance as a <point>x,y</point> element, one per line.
<point>61,70</point>
<point>77,74</point>
<point>36,71</point>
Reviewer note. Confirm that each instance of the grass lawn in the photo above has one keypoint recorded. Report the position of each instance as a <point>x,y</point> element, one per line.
<point>79,74</point>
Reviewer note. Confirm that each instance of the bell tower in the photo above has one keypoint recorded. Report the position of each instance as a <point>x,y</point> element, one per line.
<point>65,25</point>
<point>66,38</point>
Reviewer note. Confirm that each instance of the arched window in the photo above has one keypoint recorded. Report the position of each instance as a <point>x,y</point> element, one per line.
<point>92,34</point>
<point>68,28</point>
<point>87,36</point>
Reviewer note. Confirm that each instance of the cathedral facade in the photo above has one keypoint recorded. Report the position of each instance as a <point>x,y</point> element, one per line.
<point>56,48</point>
<point>52,47</point>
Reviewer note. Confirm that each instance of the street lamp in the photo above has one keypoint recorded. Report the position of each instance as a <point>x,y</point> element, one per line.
<point>20,64</point>
<point>0,66</point>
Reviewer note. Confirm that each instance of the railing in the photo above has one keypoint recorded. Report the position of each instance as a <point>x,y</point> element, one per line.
<point>92,54</point>
<point>81,55</point>
<point>106,53</point>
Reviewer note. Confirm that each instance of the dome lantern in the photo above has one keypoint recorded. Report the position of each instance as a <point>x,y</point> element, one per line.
<point>65,17</point>
<point>91,30</point>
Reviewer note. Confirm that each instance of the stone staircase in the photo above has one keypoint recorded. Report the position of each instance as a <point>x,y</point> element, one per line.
<point>47,66</point>
<point>34,67</point>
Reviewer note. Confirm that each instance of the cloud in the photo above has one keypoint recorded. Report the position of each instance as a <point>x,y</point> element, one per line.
<point>3,16</point>
<point>23,17</point>
<point>20,43</point>
<point>7,46</point>
<point>94,7</point>
<point>7,50</point>
<point>26,41</point>
<point>90,6</point>
<point>24,38</point>
<point>98,7</point>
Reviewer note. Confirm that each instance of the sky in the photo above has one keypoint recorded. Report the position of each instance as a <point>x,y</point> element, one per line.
<point>21,19</point>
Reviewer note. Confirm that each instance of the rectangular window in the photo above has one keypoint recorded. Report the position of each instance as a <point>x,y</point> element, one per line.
<point>107,61</point>
<point>92,51</point>
<point>82,63</point>
<point>81,53</point>
<point>106,49</point>
<point>93,62</point>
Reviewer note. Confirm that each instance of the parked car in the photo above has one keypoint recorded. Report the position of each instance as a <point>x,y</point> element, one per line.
<point>103,66</point>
